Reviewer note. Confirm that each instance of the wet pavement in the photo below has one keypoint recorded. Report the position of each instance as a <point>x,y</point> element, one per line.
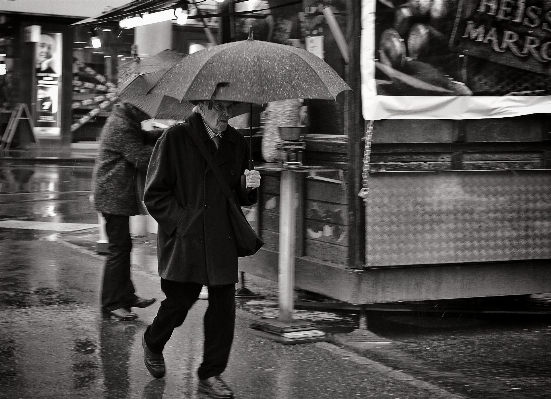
<point>54,342</point>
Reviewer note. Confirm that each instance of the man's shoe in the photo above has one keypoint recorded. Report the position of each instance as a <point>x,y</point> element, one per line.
<point>142,302</point>
<point>215,387</point>
<point>154,362</point>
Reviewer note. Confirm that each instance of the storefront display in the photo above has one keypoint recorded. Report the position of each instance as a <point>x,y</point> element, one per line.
<point>48,71</point>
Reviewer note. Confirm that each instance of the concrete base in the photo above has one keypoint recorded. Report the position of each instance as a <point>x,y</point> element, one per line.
<point>288,332</point>
<point>359,338</point>
<point>288,341</point>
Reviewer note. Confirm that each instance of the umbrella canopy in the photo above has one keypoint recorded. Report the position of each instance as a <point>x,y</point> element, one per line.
<point>160,62</point>
<point>250,71</point>
<point>137,77</point>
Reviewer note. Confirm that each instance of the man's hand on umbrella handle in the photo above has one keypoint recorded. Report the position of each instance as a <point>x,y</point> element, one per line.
<point>252,178</point>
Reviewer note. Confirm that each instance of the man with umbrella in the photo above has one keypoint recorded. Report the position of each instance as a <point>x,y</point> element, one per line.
<point>195,241</point>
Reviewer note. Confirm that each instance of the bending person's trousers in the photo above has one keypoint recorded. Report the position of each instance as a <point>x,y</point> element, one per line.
<point>117,288</point>
<point>218,323</point>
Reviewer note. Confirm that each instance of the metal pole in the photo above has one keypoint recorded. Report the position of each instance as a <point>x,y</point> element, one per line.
<point>287,233</point>
<point>363,319</point>
<point>102,245</point>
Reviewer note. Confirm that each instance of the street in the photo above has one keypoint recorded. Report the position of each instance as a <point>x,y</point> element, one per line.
<point>54,342</point>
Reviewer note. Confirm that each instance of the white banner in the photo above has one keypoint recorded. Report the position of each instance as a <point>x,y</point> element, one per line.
<point>377,107</point>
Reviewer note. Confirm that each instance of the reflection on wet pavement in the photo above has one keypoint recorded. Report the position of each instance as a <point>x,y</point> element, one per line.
<point>116,342</point>
<point>155,389</point>
<point>46,193</point>
<point>54,342</point>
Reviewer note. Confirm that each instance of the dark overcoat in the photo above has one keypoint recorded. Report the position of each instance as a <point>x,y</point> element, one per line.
<point>195,241</point>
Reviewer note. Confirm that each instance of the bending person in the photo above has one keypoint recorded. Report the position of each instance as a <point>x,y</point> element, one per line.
<point>124,152</point>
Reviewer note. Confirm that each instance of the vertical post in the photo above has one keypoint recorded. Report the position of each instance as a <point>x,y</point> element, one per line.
<point>353,128</point>
<point>138,225</point>
<point>161,31</point>
<point>287,237</point>
<point>102,245</point>
<point>363,319</point>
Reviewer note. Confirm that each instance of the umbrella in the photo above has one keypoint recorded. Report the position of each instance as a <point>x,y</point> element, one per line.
<point>250,71</point>
<point>138,76</point>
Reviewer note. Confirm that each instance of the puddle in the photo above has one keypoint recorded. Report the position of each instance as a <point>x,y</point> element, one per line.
<point>84,345</point>
<point>39,297</point>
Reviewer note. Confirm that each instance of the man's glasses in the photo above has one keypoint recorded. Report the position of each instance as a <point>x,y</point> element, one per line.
<point>221,107</point>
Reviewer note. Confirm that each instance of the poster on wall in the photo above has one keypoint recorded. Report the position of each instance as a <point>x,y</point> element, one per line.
<point>48,91</point>
<point>460,59</point>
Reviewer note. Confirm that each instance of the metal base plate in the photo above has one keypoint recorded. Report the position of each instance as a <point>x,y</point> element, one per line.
<point>290,340</point>
<point>288,332</point>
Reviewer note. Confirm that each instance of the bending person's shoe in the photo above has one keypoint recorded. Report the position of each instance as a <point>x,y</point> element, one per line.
<point>154,362</point>
<point>122,314</point>
<point>142,302</point>
<point>215,387</point>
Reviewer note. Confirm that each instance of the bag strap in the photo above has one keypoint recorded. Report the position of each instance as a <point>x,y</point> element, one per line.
<point>210,161</point>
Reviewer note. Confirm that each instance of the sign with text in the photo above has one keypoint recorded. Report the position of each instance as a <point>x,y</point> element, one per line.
<point>516,33</point>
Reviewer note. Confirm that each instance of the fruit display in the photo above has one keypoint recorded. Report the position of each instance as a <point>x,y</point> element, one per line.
<point>413,54</point>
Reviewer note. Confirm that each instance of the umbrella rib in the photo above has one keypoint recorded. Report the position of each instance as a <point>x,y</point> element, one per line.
<point>315,74</point>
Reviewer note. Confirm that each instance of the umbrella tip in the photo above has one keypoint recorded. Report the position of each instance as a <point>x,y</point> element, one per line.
<point>250,33</point>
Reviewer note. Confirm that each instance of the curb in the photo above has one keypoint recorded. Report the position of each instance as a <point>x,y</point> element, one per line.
<point>48,161</point>
<point>362,359</point>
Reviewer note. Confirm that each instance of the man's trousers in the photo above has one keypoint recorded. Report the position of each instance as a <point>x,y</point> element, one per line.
<point>219,322</point>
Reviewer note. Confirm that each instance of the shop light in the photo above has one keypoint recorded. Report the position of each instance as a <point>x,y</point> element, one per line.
<point>96,42</point>
<point>181,16</point>
<point>150,18</point>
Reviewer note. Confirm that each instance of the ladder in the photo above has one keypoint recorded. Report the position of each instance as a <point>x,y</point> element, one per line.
<point>20,112</point>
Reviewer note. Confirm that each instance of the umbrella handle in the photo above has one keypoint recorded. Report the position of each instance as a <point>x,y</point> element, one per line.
<point>251,162</point>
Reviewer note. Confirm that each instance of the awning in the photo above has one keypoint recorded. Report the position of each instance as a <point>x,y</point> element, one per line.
<point>132,9</point>
<point>142,6</point>
<point>60,8</point>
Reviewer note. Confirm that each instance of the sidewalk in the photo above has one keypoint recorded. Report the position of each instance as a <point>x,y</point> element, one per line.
<point>455,356</point>
<point>332,369</point>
